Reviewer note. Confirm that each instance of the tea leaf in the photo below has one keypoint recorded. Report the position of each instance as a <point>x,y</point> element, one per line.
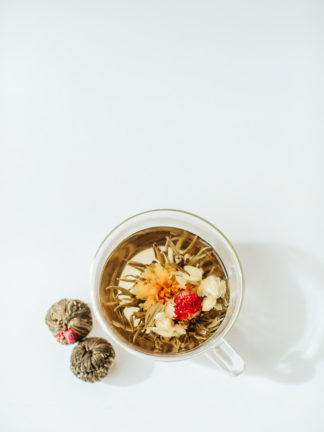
<point>196,259</point>
<point>139,314</point>
<point>170,244</point>
<point>190,245</point>
<point>214,323</point>
<point>136,334</point>
<point>158,254</point>
<point>122,326</point>
<point>199,337</point>
<point>126,291</point>
<point>151,312</point>
<point>112,287</point>
<point>110,303</point>
<point>137,265</point>
<point>129,304</point>
<point>129,278</point>
<point>180,241</point>
<point>210,271</point>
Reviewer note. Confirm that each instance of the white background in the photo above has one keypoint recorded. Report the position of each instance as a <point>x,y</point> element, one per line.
<point>109,108</point>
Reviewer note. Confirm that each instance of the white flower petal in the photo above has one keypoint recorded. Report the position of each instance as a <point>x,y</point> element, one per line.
<point>181,281</point>
<point>166,327</point>
<point>212,286</point>
<point>195,274</point>
<point>164,324</point>
<point>169,309</point>
<point>208,303</point>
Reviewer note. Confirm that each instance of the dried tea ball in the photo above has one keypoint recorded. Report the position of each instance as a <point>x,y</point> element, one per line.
<point>69,320</point>
<point>91,359</point>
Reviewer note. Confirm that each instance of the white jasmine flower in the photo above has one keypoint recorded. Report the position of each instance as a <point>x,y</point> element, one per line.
<point>164,324</point>
<point>165,327</point>
<point>211,288</point>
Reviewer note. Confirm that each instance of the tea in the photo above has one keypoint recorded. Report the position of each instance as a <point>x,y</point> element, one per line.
<point>164,290</point>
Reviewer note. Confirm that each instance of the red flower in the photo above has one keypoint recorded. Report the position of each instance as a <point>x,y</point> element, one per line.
<point>67,337</point>
<point>186,305</point>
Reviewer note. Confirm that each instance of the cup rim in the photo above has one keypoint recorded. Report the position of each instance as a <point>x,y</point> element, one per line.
<point>164,357</point>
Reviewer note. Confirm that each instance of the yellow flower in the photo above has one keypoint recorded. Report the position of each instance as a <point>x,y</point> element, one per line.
<point>157,284</point>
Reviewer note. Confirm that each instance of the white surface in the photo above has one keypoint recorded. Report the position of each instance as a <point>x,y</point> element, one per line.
<point>109,108</point>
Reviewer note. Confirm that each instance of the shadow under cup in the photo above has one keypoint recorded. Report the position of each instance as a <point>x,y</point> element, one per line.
<point>223,248</point>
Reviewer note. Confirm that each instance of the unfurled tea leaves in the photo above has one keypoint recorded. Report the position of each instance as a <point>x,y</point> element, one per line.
<point>122,326</point>
<point>158,254</point>
<point>215,323</point>
<point>151,312</point>
<point>127,304</point>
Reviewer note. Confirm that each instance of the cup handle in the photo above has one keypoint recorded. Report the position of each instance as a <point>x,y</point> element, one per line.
<point>225,357</point>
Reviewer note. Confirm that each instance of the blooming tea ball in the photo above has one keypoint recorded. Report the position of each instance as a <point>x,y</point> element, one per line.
<point>91,359</point>
<point>69,320</point>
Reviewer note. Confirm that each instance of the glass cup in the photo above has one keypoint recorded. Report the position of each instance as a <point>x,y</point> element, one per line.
<point>216,347</point>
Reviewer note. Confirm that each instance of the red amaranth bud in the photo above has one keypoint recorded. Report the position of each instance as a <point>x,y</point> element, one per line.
<point>186,305</point>
<point>70,336</point>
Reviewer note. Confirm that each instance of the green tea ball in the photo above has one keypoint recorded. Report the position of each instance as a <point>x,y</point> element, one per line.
<point>69,320</point>
<point>92,358</point>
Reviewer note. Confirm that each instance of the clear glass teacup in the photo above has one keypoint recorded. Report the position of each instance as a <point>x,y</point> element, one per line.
<point>216,347</point>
